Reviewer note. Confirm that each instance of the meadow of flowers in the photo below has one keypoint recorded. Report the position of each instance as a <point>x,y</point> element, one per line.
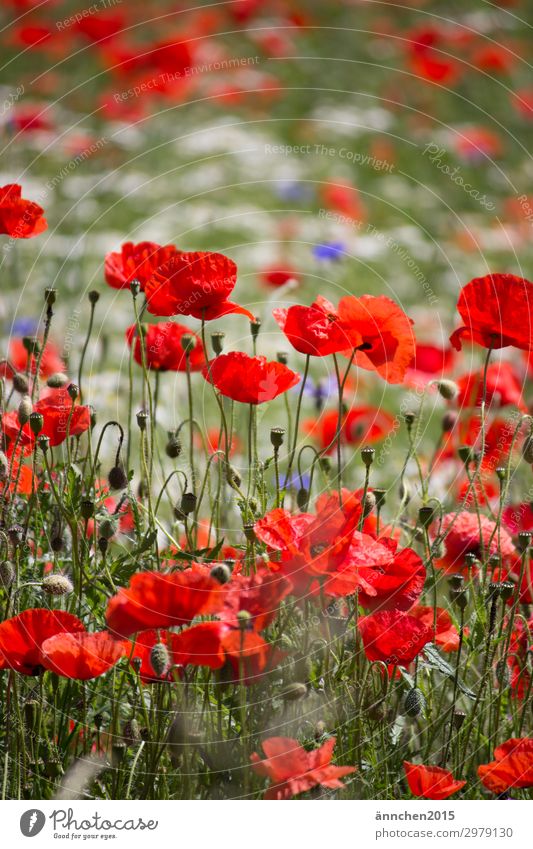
<point>266,493</point>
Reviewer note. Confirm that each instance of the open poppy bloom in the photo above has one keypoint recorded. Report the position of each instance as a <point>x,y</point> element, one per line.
<point>464,537</point>
<point>163,347</point>
<point>82,655</point>
<point>502,388</point>
<point>22,637</point>
<point>260,595</point>
<point>197,283</point>
<point>135,262</point>
<point>61,418</point>
<point>315,330</point>
<point>21,360</point>
<point>293,770</point>
<point>157,600</point>
<point>446,635</point>
<point>393,637</point>
<point>512,766</point>
<point>497,311</point>
<point>431,782</point>
<point>388,341</point>
<point>359,425</point>
<point>250,380</point>
<point>19,218</point>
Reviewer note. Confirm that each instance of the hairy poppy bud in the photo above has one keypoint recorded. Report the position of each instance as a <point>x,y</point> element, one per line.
<point>36,423</point>
<point>325,464</point>
<point>159,659</point>
<point>415,703</point>
<point>217,341</point>
<point>24,410</point>
<point>233,476</point>
<point>188,503</point>
<point>448,389</point>
<point>57,380</point>
<point>7,574</point>
<point>449,420</point>
<point>302,498</point>
<point>220,573</point>
<point>527,449</point>
<point>57,542</point>
<point>503,673</point>
<point>87,509</point>
<point>131,732</point>
<point>57,585</point>
<point>4,466</point>
<point>282,357</point>
<point>368,504</point>
<point>117,478</point>
<point>367,456</point>
<point>255,327</point>
<point>188,343</point>
<point>20,383</point>
<point>294,691</point>
<point>173,447</point>
<point>73,391</point>
<point>94,296</point>
<point>276,436</point>
<point>142,419</point>
<point>50,296</point>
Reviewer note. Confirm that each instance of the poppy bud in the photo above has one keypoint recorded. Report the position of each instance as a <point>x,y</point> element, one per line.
<point>7,574</point>
<point>87,509</point>
<point>159,659</point>
<point>73,391</point>
<point>249,532</point>
<point>524,540</point>
<point>24,410</point>
<point>57,380</point>
<point>448,389</point>
<point>107,528</point>
<point>117,478</point>
<point>367,456</point>
<point>57,585</point>
<point>527,449</point>
<point>44,443</point>
<point>282,357</point>
<point>50,297</point>
<point>142,418</point>
<point>92,413</point>
<point>188,343</point>
<point>294,691</point>
<point>173,447</point>
<point>4,466</point>
<point>276,436</point>
<point>20,383</point>
<point>302,498</point>
<point>94,296</point>
<point>415,703</point>
<point>135,288</point>
<point>243,619</point>
<point>255,327</point>
<point>36,423</point>
<point>325,464</point>
<point>233,476</point>
<point>188,503</point>
<point>220,573</point>
<point>426,516</point>
<point>368,504</point>
<point>217,341</point>
<point>449,420</point>
<point>131,732</point>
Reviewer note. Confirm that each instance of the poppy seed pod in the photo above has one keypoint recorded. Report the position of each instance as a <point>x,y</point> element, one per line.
<point>31,345</point>
<point>282,357</point>
<point>173,447</point>
<point>57,585</point>
<point>459,717</point>
<point>524,540</point>
<point>87,509</point>
<point>188,343</point>
<point>159,659</point>
<point>24,410</point>
<point>470,560</point>
<point>188,503</point>
<point>367,456</point>
<point>7,574</point>
<point>302,498</point>
<point>249,532</point>
<point>220,573</point>
<point>466,454</point>
<point>50,296</point>
<point>380,496</point>
<point>276,436</point>
<point>426,515</point>
<point>36,423</point>
<point>217,341</point>
<point>409,419</point>
<point>142,419</point>
<point>107,528</point>
<point>20,383</point>
<point>94,296</point>
<point>448,389</point>
<point>57,380</point>
<point>415,703</point>
<point>456,582</point>
<point>117,478</point>
<point>44,443</point>
<point>501,471</point>
<point>135,288</point>
<point>243,619</point>
<point>255,327</point>
<point>527,448</point>
<point>325,464</point>
<point>368,504</point>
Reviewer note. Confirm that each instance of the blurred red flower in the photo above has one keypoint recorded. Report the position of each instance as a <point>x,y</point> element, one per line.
<point>292,770</point>
<point>503,387</point>
<point>249,380</point>
<point>431,782</point>
<point>464,534</point>
<point>360,425</point>
<point>19,218</point>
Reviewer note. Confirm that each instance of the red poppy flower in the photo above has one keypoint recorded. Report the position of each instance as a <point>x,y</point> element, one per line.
<point>464,537</point>
<point>19,218</point>
<point>135,262</point>
<point>360,426</point>
<point>393,637</point>
<point>386,332</point>
<point>59,419</point>
<point>518,517</point>
<point>497,311</point>
<point>292,770</point>
<point>431,782</point>
<point>502,387</point>
<point>512,766</point>
<point>445,635</point>
<point>22,637</point>
<point>430,361</point>
<point>387,579</point>
<point>344,199</point>
<point>316,330</point>
<point>51,361</point>
<point>279,275</point>
<point>250,380</point>
<point>82,655</point>
<point>100,26</point>
<point>260,595</point>
<point>156,600</point>
<point>196,284</point>
<point>280,529</point>
<point>163,348</point>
